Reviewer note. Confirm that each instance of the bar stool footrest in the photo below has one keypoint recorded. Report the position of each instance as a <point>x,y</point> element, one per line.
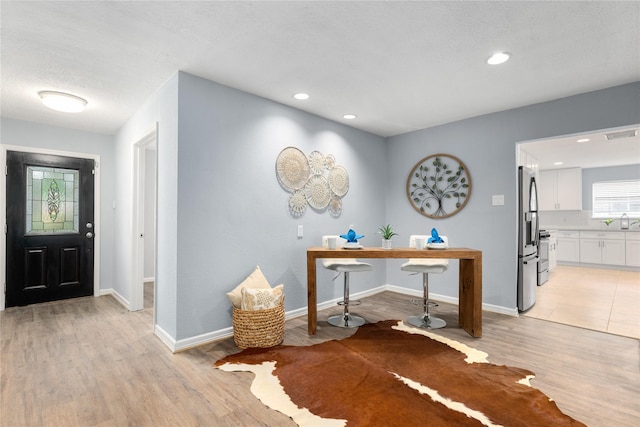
<point>355,302</point>
<point>421,302</point>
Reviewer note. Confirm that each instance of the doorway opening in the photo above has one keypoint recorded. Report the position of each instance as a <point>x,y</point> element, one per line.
<point>579,293</point>
<point>143,283</point>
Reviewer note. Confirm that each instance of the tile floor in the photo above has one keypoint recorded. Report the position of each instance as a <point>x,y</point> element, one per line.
<point>591,298</point>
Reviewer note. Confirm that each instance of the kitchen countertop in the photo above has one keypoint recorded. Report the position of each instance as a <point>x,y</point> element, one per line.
<point>633,229</point>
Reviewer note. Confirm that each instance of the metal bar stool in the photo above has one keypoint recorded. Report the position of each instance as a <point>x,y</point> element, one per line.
<point>425,266</point>
<point>345,266</point>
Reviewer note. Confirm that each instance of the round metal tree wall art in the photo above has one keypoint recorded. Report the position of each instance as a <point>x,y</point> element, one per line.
<point>439,186</point>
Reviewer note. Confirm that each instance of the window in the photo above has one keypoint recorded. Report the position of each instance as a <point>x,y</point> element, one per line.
<point>611,199</point>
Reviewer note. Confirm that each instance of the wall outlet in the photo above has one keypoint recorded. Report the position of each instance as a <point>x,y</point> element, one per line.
<point>497,200</point>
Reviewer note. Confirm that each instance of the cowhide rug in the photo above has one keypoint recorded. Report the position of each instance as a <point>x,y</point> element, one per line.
<point>388,374</point>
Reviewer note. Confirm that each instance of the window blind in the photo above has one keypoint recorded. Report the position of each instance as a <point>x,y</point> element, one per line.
<point>611,199</point>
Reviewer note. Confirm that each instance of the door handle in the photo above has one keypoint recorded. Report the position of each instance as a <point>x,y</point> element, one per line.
<point>89,234</point>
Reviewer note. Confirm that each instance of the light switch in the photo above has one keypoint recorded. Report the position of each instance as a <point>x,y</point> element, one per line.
<point>497,200</point>
<point>300,231</point>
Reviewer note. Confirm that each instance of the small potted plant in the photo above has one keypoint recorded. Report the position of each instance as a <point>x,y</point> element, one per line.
<point>387,233</point>
<point>607,221</point>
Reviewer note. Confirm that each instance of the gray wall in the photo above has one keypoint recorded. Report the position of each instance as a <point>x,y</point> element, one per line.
<point>613,173</point>
<point>161,110</point>
<point>486,144</point>
<point>233,214</point>
<point>221,210</point>
<point>34,135</point>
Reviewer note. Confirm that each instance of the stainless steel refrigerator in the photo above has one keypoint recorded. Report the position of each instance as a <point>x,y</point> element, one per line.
<point>527,238</point>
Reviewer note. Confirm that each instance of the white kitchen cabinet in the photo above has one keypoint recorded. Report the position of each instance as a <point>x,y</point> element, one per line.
<point>547,190</point>
<point>568,246</point>
<point>560,190</point>
<point>613,252</point>
<point>590,251</point>
<point>633,249</point>
<point>601,247</point>
<point>526,159</point>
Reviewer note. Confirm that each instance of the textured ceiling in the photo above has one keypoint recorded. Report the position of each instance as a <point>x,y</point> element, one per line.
<point>400,66</point>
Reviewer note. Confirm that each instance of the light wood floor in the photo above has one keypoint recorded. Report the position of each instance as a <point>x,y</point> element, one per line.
<point>598,299</point>
<point>149,291</point>
<point>90,362</point>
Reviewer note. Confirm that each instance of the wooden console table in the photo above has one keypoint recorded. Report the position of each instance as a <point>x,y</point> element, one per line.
<point>469,289</point>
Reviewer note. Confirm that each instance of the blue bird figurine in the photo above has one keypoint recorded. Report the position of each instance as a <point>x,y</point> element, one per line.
<point>435,238</point>
<point>351,236</point>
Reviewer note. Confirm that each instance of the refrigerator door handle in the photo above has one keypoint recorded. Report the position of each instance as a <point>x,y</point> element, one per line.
<point>536,259</point>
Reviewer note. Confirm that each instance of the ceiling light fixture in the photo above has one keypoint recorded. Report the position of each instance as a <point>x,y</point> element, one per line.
<point>61,101</point>
<point>621,134</point>
<point>499,58</point>
<point>349,116</point>
<point>301,96</point>
<point>583,140</point>
<point>557,163</point>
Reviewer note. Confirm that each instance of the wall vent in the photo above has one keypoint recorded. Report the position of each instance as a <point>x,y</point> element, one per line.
<point>621,134</point>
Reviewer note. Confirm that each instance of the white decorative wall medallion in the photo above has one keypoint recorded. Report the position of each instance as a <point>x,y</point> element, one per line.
<point>315,180</point>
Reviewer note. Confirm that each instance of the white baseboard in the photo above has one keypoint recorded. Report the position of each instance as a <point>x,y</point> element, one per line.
<point>332,302</point>
<point>298,312</point>
<point>209,337</point>
<point>453,300</point>
<point>418,293</point>
<point>198,340</point>
<point>501,310</point>
<point>165,338</point>
<point>122,300</point>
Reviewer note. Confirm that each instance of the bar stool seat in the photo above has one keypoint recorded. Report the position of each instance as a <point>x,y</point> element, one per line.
<point>425,266</point>
<point>345,266</point>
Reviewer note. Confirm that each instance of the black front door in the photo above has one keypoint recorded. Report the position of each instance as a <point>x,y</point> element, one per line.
<point>49,228</point>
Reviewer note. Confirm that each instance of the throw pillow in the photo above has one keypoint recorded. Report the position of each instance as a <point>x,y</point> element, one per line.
<point>255,280</point>
<point>260,299</point>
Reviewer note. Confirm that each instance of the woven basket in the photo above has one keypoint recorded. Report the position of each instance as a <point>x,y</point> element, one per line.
<point>258,328</point>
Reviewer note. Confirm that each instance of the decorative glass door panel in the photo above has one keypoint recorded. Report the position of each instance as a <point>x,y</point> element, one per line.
<point>52,200</point>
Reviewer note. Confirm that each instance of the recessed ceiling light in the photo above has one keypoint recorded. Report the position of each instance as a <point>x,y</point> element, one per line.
<point>349,116</point>
<point>583,140</point>
<point>499,58</point>
<point>557,163</point>
<point>301,96</point>
<point>61,101</point>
